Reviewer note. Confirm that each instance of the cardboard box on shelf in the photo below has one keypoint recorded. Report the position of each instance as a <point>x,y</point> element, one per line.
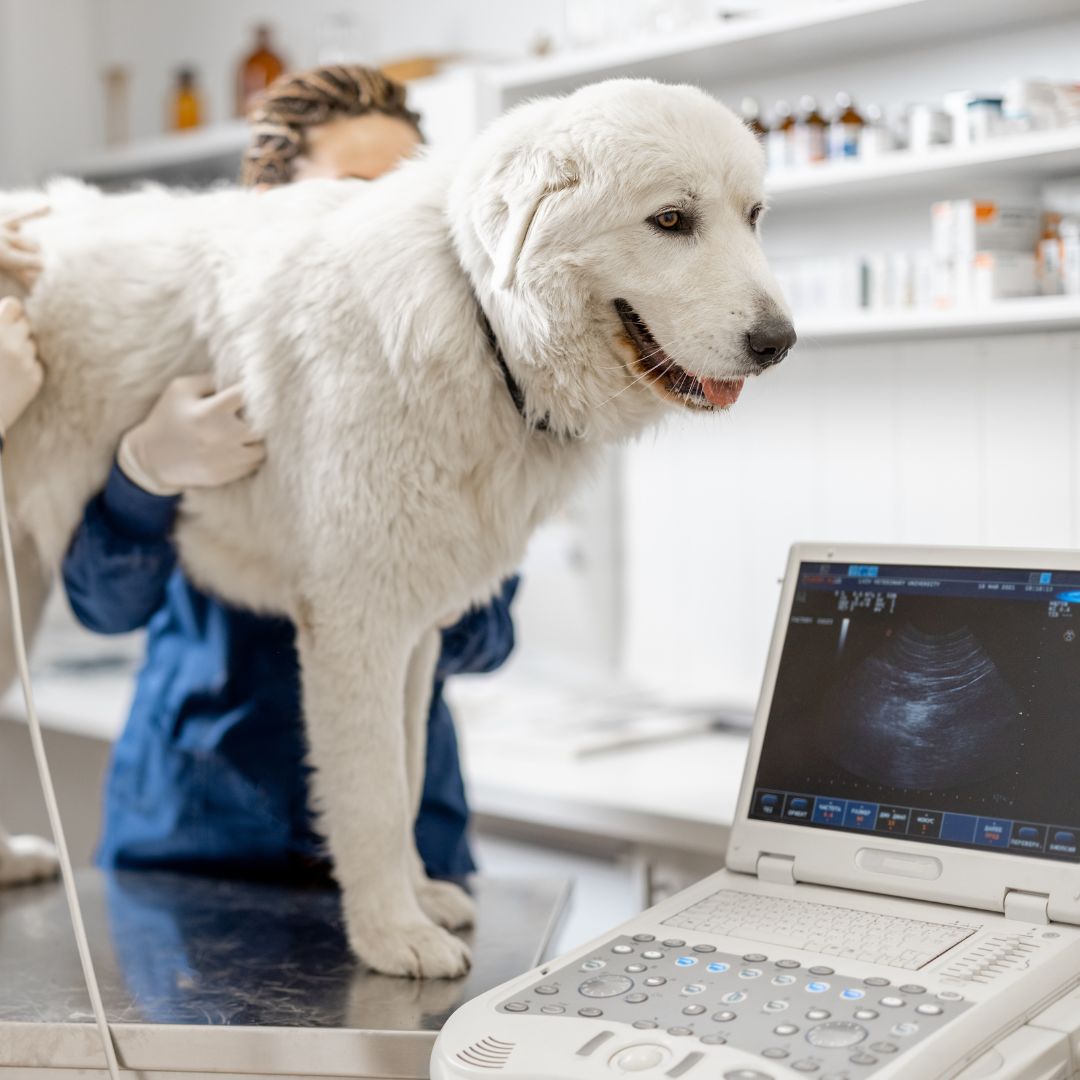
<point>962,228</point>
<point>1002,275</point>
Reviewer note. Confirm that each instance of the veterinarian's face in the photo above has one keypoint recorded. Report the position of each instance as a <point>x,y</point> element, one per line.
<point>360,147</point>
<point>662,234</point>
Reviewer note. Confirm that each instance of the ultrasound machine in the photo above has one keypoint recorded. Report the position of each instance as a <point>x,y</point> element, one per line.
<point>901,896</point>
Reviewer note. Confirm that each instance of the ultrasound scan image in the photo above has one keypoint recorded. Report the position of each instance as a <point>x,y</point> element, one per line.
<point>923,711</point>
<point>941,705</point>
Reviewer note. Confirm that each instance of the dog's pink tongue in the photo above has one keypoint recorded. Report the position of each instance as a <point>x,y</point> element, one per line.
<point>722,392</point>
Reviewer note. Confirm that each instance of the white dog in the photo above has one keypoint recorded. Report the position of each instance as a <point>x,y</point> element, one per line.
<point>609,241</point>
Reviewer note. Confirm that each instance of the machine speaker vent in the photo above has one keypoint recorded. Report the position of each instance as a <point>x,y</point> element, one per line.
<point>488,1053</point>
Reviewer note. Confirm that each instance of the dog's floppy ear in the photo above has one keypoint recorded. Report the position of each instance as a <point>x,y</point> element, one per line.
<point>534,181</point>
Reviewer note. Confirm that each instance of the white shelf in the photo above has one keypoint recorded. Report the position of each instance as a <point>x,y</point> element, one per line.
<point>145,157</point>
<point>1029,315</point>
<point>945,171</point>
<point>818,33</point>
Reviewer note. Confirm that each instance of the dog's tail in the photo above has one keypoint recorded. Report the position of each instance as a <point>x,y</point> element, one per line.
<point>35,582</point>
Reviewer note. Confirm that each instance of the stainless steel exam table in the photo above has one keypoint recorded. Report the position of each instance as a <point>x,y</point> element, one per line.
<point>204,977</point>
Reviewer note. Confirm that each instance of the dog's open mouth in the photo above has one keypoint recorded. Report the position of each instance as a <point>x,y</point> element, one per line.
<point>665,375</point>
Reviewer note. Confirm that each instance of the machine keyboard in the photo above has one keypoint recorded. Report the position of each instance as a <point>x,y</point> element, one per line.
<point>822,928</point>
<point>808,1019</point>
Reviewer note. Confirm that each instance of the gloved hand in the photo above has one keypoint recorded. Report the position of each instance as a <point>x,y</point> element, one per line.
<point>21,373</point>
<point>194,437</point>
<point>19,257</point>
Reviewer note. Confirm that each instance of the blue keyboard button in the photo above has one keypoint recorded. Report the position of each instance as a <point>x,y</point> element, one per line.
<point>717,968</point>
<point>817,987</point>
<point>686,961</point>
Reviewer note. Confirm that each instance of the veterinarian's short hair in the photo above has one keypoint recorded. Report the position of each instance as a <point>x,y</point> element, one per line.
<point>284,112</point>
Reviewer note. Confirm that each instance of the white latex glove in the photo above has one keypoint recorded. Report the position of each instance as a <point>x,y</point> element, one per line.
<point>21,373</point>
<point>19,256</point>
<point>194,437</point>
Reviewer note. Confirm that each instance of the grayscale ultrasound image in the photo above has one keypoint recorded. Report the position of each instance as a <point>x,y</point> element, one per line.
<point>958,699</point>
<point>924,711</point>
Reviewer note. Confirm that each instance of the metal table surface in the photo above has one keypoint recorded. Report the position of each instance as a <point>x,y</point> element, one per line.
<point>204,976</point>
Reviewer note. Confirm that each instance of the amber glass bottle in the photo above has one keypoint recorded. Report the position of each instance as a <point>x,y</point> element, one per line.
<point>751,114</point>
<point>845,129</point>
<point>185,110</point>
<point>778,148</point>
<point>808,138</point>
<point>257,70</point>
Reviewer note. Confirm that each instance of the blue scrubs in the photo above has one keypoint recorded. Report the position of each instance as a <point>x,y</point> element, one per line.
<point>209,773</point>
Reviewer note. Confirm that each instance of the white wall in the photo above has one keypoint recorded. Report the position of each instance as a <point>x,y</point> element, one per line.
<point>960,441</point>
<point>967,442</point>
<point>721,500</point>
<point>152,38</point>
<point>53,55</point>
<point>48,112</point>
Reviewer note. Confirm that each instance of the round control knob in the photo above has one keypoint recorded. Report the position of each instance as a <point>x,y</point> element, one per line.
<point>639,1058</point>
<point>605,986</point>
<point>836,1033</point>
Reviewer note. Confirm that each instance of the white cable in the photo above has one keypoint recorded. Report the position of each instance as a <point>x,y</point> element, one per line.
<point>50,795</point>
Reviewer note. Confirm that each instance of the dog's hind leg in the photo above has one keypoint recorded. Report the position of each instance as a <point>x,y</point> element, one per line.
<point>23,858</point>
<point>354,659</point>
<point>26,858</point>
<point>34,584</point>
<point>443,901</point>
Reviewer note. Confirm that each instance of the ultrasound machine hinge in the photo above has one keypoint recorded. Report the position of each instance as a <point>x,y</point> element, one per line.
<point>776,869</point>
<point>1027,906</point>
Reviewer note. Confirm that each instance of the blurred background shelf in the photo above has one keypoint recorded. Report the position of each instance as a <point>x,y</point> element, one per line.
<point>1038,155</point>
<point>213,150</point>
<point>1028,315</point>
<point>743,47</point>
<point>447,102</point>
<point>943,172</point>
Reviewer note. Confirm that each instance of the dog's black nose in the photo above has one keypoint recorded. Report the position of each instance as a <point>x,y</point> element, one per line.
<point>770,341</point>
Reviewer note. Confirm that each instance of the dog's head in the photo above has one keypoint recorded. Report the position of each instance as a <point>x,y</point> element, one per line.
<point>613,236</point>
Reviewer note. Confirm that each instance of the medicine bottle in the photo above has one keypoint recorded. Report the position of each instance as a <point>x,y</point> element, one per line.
<point>808,135</point>
<point>845,129</point>
<point>778,141</point>
<point>751,114</point>
<point>257,70</point>
<point>186,107</point>
<point>876,137</point>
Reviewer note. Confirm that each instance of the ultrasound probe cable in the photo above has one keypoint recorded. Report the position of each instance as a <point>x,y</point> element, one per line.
<point>45,775</point>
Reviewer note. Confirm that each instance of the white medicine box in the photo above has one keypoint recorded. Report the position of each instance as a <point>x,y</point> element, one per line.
<point>962,229</point>
<point>1002,275</point>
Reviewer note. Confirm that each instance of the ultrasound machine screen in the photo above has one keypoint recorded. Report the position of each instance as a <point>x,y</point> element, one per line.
<point>938,704</point>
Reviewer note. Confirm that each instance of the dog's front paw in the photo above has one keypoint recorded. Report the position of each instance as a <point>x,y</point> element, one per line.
<point>416,950</point>
<point>445,903</point>
<point>27,858</point>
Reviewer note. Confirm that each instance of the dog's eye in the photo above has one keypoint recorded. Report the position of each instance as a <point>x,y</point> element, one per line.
<point>755,214</point>
<point>671,220</point>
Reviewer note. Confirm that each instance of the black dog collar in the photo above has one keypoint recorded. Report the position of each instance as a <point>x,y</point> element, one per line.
<point>513,387</point>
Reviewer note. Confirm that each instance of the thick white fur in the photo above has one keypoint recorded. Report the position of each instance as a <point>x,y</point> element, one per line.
<point>400,483</point>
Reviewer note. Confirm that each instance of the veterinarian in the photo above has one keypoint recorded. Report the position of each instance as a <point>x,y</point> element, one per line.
<point>209,773</point>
